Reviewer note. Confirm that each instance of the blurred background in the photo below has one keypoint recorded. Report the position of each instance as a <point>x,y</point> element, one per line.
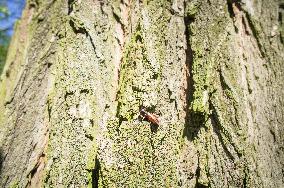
<point>10,12</point>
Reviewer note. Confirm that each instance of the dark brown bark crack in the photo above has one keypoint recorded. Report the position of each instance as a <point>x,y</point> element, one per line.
<point>235,8</point>
<point>281,21</point>
<point>96,174</point>
<point>193,120</point>
<point>255,34</point>
<point>82,30</point>
<point>190,130</point>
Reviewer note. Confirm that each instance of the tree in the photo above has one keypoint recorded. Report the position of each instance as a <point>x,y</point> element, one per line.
<point>78,73</point>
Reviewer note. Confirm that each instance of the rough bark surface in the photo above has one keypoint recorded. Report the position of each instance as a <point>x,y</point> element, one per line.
<point>78,72</point>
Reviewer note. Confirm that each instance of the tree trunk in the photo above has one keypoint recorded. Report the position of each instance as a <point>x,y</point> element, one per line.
<point>79,72</point>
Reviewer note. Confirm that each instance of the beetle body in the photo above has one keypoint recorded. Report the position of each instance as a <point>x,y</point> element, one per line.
<point>150,117</point>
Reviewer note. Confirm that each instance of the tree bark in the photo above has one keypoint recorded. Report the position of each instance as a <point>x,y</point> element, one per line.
<point>79,72</point>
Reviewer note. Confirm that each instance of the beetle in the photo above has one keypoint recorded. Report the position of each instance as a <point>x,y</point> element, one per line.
<point>149,116</point>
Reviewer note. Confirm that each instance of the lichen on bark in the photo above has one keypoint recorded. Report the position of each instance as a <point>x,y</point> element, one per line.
<point>78,73</point>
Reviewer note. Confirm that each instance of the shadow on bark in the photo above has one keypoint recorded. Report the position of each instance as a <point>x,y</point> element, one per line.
<point>95,173</point>
<point>193,120</point>
<point>1,160</point>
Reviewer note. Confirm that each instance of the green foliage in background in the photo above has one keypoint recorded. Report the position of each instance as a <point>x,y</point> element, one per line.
<point>4,38</point>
